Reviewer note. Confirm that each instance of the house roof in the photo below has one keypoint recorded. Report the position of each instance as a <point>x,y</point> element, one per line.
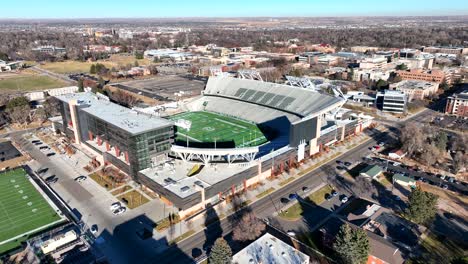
<point>372,171</point>
<point>401,177</point>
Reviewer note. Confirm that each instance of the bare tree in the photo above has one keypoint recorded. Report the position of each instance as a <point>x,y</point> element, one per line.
<point>124,98</point>
<point>20,114</point>
<point>411,138</point>
<point>248,228</point>
<point>430,154</point>
<point>459,161</point>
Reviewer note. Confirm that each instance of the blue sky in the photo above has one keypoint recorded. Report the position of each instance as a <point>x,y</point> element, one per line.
<point>229,8</point>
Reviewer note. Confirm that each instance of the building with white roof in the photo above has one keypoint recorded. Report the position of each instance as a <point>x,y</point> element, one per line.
<point>270,249</point>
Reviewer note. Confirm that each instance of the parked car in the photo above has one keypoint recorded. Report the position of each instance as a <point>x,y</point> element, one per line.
<point>328,197</point>
<point>44,147</point>
<point>115,206</point>
<point>35,141</point>
<point>284,200</point>
<point>347,164</point>
<point>344,199</point>
<point>292,196</point>
<point>451,179</point>
<point>51,179</point>
<point>377,147</point>
<point>334,193</point>
<point>119,211</point>
<point>50,154</point>
<point>93,229</point>
<point>305,189</point>
<point>382,144</point>
<point>80,178</point>
<point>445,187</point>
<point>291,233</point>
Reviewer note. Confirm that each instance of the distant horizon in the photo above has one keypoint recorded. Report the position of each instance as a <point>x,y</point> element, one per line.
<point>146,9</point>
<point>228,17</point>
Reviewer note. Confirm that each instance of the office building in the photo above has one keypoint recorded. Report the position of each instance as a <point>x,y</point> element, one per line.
<point>392,101</point>
<point>421,75</point>
<point>416,90</point>
<point>446,50</point>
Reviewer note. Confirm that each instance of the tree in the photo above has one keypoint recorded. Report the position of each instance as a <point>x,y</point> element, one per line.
<point>401,67</point>
<point>444,86</point>
<point>40,114</point>
<point>92,69</point>
<point>381,84</point>
<point>139,55</point>
<point>248,228</point>
<point>441,141</point>
<point>422,206</point>
<point>124,98</point>
<point>19,114</point>
<point>51,106</point>
<point>80,85</point>
<point>411,138</point>
<point>136,64</point>
<point>459,161</point>
<point>351,245</point>
<point>17,101</point>
<point>221,252</point>
<point>429,154</point>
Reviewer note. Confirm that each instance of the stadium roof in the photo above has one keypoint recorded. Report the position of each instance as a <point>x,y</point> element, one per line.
<point>129,120</point>
<point>299,101</point>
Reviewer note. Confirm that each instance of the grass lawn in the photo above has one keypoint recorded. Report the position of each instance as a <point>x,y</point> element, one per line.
<point>440,249</point>
<point>134,199</point>
<point>121,190</point>
<point>207,128</point>
<point>318,197</point>
<point>104,181</point>
<point>64,67</point>
<point>292,213</point>
<point>266,192</point>
<point>22,207</point>
<point>288,180</point>
<point>120,59</point>
<point>29,83</point>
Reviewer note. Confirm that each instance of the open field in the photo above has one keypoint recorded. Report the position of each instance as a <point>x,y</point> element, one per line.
<point>28,82</point>
<point>208,128</point>
<point>83,67</point>
<point>22,207</point>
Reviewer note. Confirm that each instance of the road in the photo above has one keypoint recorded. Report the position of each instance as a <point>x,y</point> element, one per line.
<point>268,205</point>
<point>53,75</point>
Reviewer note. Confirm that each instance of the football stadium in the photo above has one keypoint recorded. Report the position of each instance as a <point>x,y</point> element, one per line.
<point>23,210</point>
<point>198,151</point>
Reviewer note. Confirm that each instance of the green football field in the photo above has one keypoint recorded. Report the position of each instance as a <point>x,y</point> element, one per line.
<point>208,127</point>
<point>22,207</point>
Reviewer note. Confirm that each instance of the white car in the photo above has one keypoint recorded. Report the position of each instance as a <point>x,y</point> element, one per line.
<point>344,199</point>
<point>291,233</point>
<point>119,211</point>
<point>115,206</point>
<point>80,178</point>
<point>382,144</point>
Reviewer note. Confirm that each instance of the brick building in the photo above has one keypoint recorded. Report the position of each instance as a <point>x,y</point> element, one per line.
<point>457,104</point>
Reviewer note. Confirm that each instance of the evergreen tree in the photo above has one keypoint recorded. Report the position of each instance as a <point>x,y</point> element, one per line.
<point>422,206</point>
<point>441,141</point>
<point>351,246</point>
<point>136,64</point>
<point>92,69</point>
<point>80,85</point>
<point>221,252</point>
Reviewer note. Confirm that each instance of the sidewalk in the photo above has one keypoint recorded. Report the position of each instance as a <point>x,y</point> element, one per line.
<point>186,229</point>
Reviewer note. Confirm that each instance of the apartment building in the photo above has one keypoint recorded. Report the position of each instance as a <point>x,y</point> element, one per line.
<point>457,104</point>
<point>422,75</point>
<point>415,90</point>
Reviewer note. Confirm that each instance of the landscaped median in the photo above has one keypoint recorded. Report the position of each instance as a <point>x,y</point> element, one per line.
<point>294,212</point>
<point>181,237</point>
<point>266,192</point>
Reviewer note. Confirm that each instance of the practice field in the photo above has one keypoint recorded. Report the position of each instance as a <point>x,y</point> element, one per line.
<point>22,207</point>
<point>27,82</point>
<point>208,127</point>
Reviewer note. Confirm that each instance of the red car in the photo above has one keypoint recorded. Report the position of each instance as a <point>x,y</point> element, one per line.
<point>377,147</point>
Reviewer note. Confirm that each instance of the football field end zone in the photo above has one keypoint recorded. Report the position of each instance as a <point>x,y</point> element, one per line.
<point>49,203</point>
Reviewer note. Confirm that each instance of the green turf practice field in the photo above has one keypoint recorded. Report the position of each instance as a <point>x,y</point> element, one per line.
<point>208,127</point>
<point>22,207</point>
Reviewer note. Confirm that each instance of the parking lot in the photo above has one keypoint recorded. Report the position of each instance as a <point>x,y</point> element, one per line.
<point>90,201</point>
